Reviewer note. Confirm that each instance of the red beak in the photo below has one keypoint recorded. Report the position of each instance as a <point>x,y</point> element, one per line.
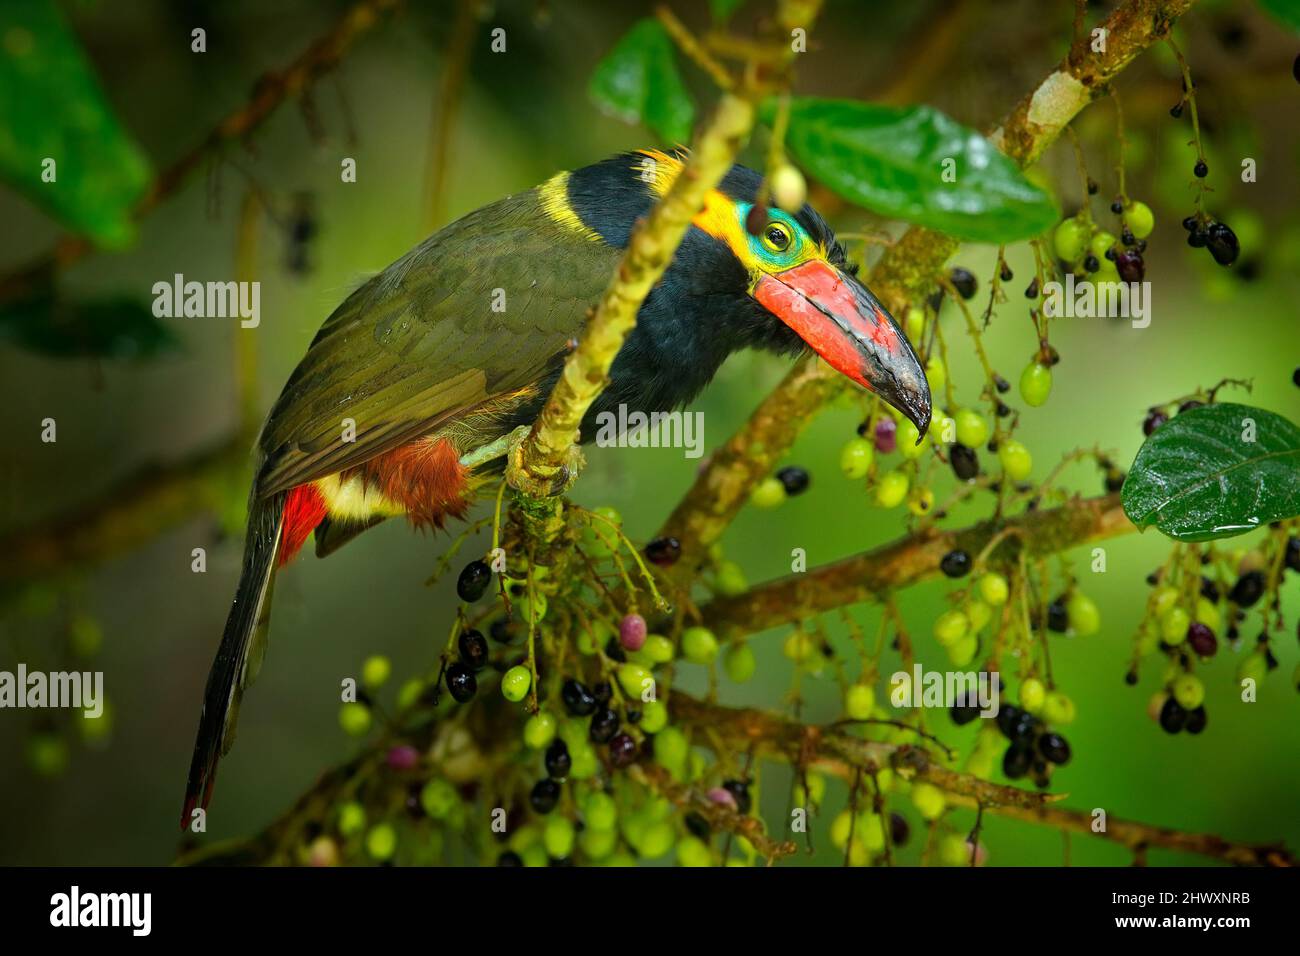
<point>846,325</point>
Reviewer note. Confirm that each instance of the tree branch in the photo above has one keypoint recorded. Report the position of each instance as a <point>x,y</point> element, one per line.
<point>908,560</point>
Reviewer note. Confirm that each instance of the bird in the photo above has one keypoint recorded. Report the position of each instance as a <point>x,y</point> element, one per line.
<point>430,364</point>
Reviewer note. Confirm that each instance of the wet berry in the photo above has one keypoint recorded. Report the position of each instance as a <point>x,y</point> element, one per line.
<point>1248,589</point>
<point>1200,170</point>
<point>1196,721</point>
<point>963,280</point>
<point>603,692</point>
<point>558,762</point>
<point>663,551</point>
<point>1117,207</point>
<point>461,682</point>
<point>604,725</point>
<point>1003,386</point>
<point>632,632</point>
<point>1090,263</point>
<point>1031,290</point>
<point>886,435</point>
<point>1222,243</point>
<point>965,463</point>
<point>578,700</point>
<point>794,478</point>
<point>544,796</point>
<point>1130,266</point>
<point>956,563</point>
<point>1176,111</point>
<point>473,648</point>
<point>1055,748</point>
<point>739,791</point>
<point>473,581</point>
<point>1016,761</point>
<point>622,750</point>
<point>1006,274</point>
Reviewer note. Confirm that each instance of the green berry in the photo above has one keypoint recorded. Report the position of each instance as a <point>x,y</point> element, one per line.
<point>654,716</point>
<point>657,840</point>
<point>1188,691</point>
<point>1035,384</point>
<point>859,701</point>
<point>1140,219</point>
<point>539,729</point>
<point>515,683</point>
<point>928,800</point>
<point>692,851</point>
<point>85,635</point>
<point>950,627</point>
<point>739,662</point>
<point>994,589</point>
<point>1101,244</point>
<point>657,649</point>
<point>1033,695</point>
<point>892,489</point>
<point>730,580</point>
<point>1083,615</point>
<point>598,844</point>
<point>47,754</point>
<point>632,678</point>
<point>354,718</point>
<point>438,798</point>
<point>798,647</point>
<point>1058,708</point>
<point>907,436</point>
<point>937,375</point>
<point>381,841</point>
<point>768,493</point>
<point>920,501</point>
<point>914,324</point>
<point>1069,239</point>
<point>352,818</point>
<point>1015,458</point>
<point>815,793</point>
<point>1208,614</point>
<point>840,827</point>
<point>409,693</point>
<point>972,428</point>
<point>558,836</point>
<point>856,457</point>
<point>979,614</point>
<point>699,646</point>
<point>375,671</point>
<point>962,652</point>
<point>600,812</point>
<point>1174,625</point>
<point>671,748</point>
<point>1254,667</point>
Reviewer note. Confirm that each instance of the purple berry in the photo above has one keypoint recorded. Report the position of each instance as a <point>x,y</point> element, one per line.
<point>886,435</point>
<point>1202,639</point>
<point>631,632</point>
<point>622,750</point>
<point>403,757</point>
<point>1130,266</point>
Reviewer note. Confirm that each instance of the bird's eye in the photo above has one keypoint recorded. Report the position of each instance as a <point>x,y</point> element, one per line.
<point>776,238</point>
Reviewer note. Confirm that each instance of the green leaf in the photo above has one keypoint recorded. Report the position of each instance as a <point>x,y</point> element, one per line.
<point>723,9</point>
<point>892,160</point>
<point>1286,12</point>
<point>638,82</point>
<point>52,108</point>
<point>106,328</point>
<point>1215,471</point>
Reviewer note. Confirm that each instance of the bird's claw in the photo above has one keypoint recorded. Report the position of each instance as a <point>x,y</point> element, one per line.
<point>526,483</point>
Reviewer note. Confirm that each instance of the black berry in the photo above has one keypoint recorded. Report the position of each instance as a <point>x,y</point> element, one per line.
<point>1200,170</point>
<point>1222,243</point>
<point>473,581</point>
<point>1031,290</point>
<point>510,858</point>
<point>1172,717</point>
<point>558,762</point>
<point>1117,207</point>
<point>963,714</point>
<point>964,281</point>
<point>697,825</point>
<point>1130,266</point>
<point>544,796</point>
<point>739,791</point>
<point>1090,263</point>
<point>1058,619</point>
<point>899,830</point>
<point>1293,554</point>
<point>604,725</point>
<point>505,630</point>
<point>663,551</point>
<point>1055,748</point>
<point>1006,274</point>
<point>955,564</point>
<point>1153,421</point>
<point>578,701</point>
<point>794,479</point>
<point>1248,589</point>
<point>1176,111</point>
<point>473,649</point>
<point>1196,721</point>
<point>1016,761</point>
<point>1202,640</point>
<point>622,750</point>
<point>461,682</point>
<point>965,463</point>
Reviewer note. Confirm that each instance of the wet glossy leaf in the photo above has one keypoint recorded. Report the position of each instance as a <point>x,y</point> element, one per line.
<point>893,161</point>
<point>52,108</point>
<point>1215,471</point>
<point>638,82</point>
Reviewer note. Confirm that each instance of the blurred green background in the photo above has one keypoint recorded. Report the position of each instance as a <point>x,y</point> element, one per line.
<point>523,115</point>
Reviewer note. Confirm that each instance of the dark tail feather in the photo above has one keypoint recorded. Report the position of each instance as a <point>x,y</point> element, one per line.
<point>240,654</point>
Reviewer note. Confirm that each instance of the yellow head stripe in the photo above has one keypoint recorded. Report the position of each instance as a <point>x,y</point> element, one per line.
<point>554,197</point>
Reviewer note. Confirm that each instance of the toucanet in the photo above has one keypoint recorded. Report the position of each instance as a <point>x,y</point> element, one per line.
<point>457,344</point>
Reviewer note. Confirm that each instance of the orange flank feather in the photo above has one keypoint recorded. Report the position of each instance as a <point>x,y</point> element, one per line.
<point>425,477</point>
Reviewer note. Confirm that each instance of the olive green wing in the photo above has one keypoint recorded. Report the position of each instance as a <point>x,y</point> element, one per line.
<point>481,309</point>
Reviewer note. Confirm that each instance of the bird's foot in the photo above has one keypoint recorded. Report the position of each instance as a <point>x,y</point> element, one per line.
<point>534,486</point>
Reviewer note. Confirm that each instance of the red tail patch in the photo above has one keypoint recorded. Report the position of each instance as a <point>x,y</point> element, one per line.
<point>303,511</point>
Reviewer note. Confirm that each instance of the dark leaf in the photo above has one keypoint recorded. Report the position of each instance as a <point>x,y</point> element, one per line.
<point>107,328</point>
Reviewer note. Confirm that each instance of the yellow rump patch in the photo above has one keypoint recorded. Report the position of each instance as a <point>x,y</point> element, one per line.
<point>554,196</point>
